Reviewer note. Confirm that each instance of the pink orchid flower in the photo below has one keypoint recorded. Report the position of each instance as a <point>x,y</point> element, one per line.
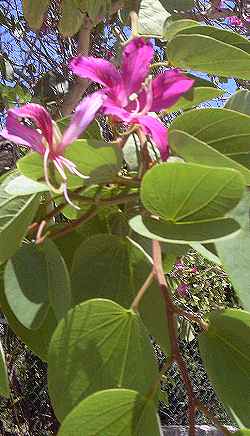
<point>46,138</point>
<point>131,92</point>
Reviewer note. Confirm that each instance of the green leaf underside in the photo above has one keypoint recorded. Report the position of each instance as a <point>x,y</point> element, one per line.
<point>112,412</point>
<point>16,213</point>
<point>188,193</point>
<point>118,270</point>
<point>211,54</point>
<point>225,351</point>
<point>22,185</point>
<point>97,346</point>
<point>204,232</point>
<point>226,131</point>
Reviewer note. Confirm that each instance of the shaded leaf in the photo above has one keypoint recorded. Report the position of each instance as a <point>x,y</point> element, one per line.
<point>225,351</point>
<point>98,346</point>
<point>113,411</point>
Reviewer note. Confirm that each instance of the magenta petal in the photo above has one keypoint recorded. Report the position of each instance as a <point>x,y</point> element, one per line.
<point>83,116</point>
<point>96,69</point>
<point>39,115</point>
<point>157,131</point>
<point>110,107</point>
<point>168,87</point>
<point>20,134</point>
<point>136,59</point>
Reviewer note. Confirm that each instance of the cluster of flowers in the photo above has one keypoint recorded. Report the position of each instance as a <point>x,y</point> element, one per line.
<point>128,95</point>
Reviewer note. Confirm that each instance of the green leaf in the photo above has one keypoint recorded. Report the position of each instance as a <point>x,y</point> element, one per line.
<point>59,286</point>
<point>196,95</point>
<point>225,351</point>
<point>152,16</point>
<point>171,28</point>
<point>92,132</point>
<point>187,193</point>
<point>37,340</point>
<point>31,166</point>
<point>112,412</point>
<point>4,379</point>
<point>44,266</point>
<point>193,150</point>
<point>97,159</point>
<point>28,302</point>
<point>239,102</point>
<point>118,270</point>
<point>177,5</point>
<point>71,18</point>
<point>206,253</point>
<point>16,213</point>
<point>99,345</point>
<point>223,130</point>
<point>243,432</point>
<point>204,232</point>
<point>235,253</point>
<point>217,51</point>
<point>34,11</point>
<point>22,185</point>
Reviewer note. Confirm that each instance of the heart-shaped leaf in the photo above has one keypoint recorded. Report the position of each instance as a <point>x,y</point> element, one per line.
<point>98,345</point>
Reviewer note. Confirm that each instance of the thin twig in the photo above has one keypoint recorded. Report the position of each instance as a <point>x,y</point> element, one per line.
<point>140,294</point>
<point>172,328</point>
<point>212,418</point>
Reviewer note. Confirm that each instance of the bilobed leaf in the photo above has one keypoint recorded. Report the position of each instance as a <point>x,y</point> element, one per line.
<point>4,379</point>
<point>16,213</point>
<point>240,102</point>
<point>225,351</point>
<point>190,201</point>
<point>188,193</point>
<point>98,345</point>
<point>118,270</point>
<point>224,130</point>
<point>217,51</point>
<point>34,12</point>
<point>112,412</point>
<point>193,150</point>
